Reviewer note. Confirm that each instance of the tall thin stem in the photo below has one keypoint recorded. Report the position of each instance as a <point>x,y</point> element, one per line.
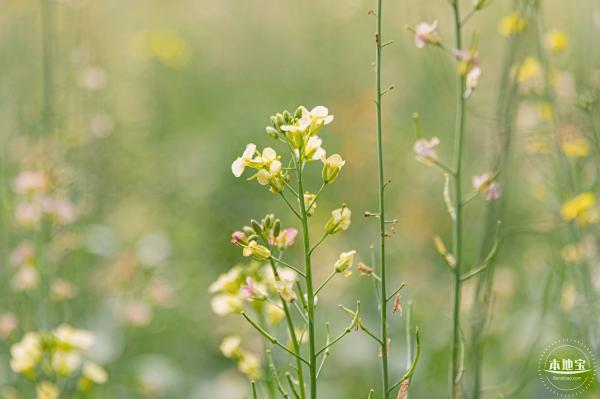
<point>382,271</point>
<point>47,22</point>
<point>309,285</point>
<point>293,338</point>
<point>457,226</point>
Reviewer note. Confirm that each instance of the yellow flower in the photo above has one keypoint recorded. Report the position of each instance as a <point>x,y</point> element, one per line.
<point>580,208</point>
<point>46,390</point>
<point>556,41</point>
<point>530,69</point>
<point>544,110</point>
<point>573,144</point>
<point>511,24</point>
<point>167,46</point>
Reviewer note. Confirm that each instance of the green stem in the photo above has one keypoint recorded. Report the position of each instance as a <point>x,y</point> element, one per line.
<point>309,286</point>
<point>271,338</point>
<point>457,225</point>
<point>292,331</point>
<point>382,286</point>
<point>47,48</point>
<point>324,283</point>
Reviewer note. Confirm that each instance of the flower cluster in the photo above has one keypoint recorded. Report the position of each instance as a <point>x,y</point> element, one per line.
<point>55,356</point>
<point>268,286</point>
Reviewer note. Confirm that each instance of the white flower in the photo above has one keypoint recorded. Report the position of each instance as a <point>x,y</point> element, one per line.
<point>425,149</point>
<point>265,177</point>
<point>318,115</point>
<point>486,185</point>
<point>65,362</point>
<point>26,354</point>
<point>339,220</point>
<point>26,278</point>
<point>425,34</point>
<point>311,120</point>
<point>331,167</point>
<point>225,304</point>
<point>46,390</point>
<point>28,182</point>
<point>231,346</point>
<point>273,313</point>
<point>313,149</point>
<point>343,264</point>
<point>285,288</point>
<point>472,79</point>
<point>71,338</point>
<point>480,182</point>
<point>227,282</point>
<point>95,373</point>
<point>238,166</point>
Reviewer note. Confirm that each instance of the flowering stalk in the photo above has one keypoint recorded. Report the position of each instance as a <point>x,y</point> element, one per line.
<point>458,206</point>
<point>266,242</point>
<point>381,212</point>
<point>310,294</point>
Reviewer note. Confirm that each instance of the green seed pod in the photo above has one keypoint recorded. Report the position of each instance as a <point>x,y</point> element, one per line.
<point>256,226</point>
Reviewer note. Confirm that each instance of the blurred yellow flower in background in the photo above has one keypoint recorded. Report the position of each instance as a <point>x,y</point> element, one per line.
<point>574,145</point>
<point>46,390</point>
<point>530,69</point>
<point>165,45</point>
<point>511,24</point>
<point>556,41</point>
<point>580,208</point>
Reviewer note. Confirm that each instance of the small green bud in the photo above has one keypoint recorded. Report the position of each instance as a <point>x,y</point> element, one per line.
<point>276,228</point>
<point>248,230</point>
<point>279,120</point>
<point>268,221</point>
<point>256,226</point>
<point>287,116</point>
<point>271,132</point>
<point>298,113</point>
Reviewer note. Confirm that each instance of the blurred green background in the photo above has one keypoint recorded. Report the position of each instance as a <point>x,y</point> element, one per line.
<point>151,101</point>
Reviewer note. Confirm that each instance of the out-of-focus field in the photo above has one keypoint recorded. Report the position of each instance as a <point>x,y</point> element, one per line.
<point>132,117</point>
